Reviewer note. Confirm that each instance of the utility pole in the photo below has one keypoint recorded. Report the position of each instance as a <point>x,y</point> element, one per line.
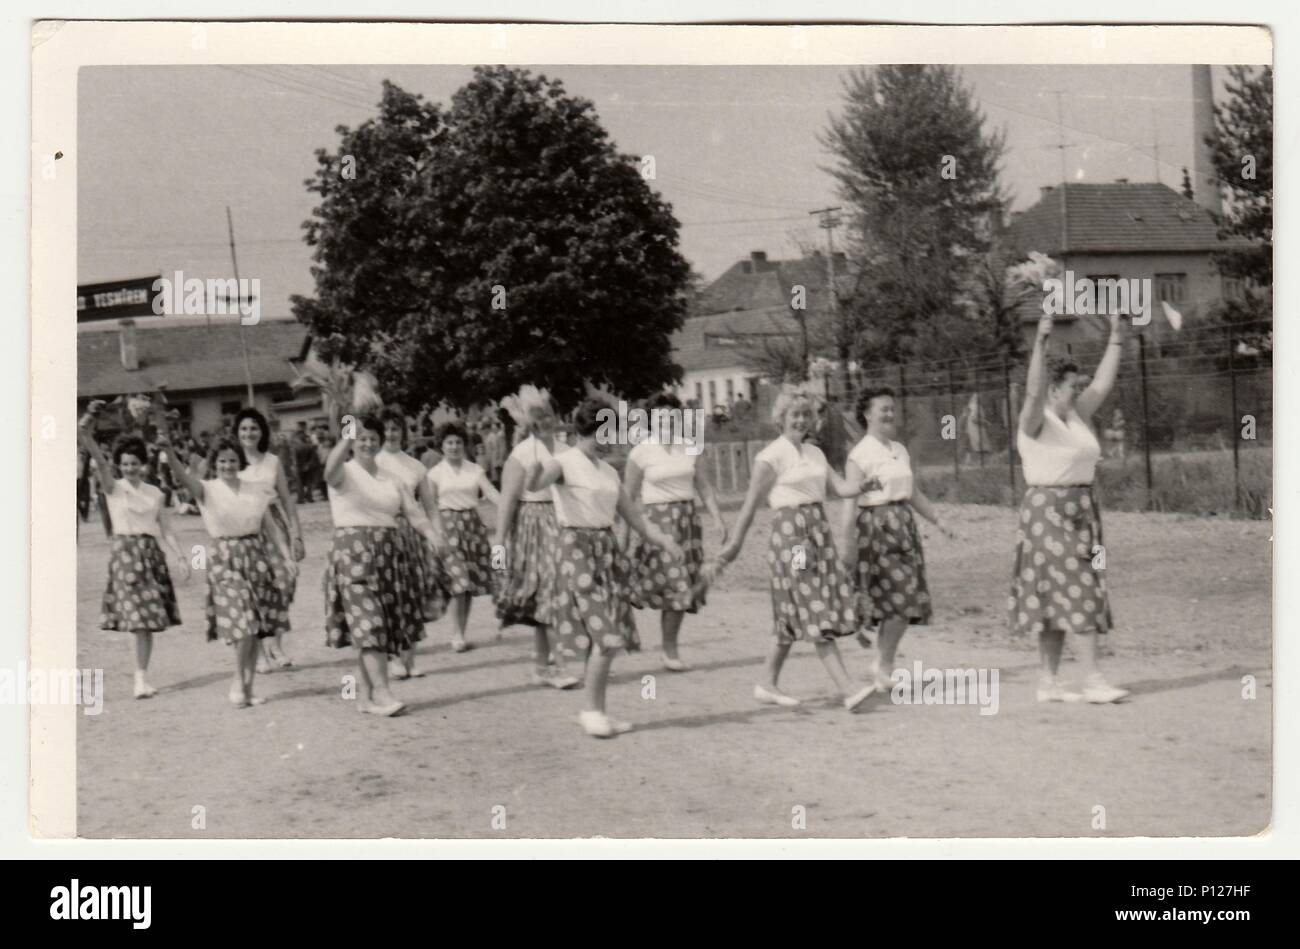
<point>1155,142</point>
<point>239,296</point>
<point>1065,204</point>
<point>829,221</point>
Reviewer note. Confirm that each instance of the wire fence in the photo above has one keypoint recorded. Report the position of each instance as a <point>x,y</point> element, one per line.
<point>1187,427</point>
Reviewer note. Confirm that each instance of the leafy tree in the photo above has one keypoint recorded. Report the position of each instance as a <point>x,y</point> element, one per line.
<point>1242,148</point>
<point>920,178</point>
<point>500,240</point>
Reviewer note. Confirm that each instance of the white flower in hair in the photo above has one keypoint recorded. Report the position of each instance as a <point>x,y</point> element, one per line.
<point>442,415</point>
<point>522,402</point>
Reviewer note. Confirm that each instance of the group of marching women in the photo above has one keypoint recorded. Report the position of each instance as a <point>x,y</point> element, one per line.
<point>409,544</point>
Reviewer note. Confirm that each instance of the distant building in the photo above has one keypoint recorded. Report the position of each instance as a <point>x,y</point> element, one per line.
<point>199,367</point>
<point>1122,230</point>
<point>749,306</point>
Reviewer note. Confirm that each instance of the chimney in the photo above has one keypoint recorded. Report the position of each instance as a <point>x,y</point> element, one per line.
<point>1204,185</point>
<point>1121,181</point>
<point>127,345</point>
<point>1045,190</point>
<point>758,256</point>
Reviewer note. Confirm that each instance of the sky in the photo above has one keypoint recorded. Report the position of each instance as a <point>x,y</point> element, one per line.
<point>164,150</point>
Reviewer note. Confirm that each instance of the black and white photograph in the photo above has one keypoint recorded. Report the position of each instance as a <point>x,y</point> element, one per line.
<point>532,448</point>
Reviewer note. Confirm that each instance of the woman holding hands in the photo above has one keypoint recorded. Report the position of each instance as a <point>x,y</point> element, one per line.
<point>671,487</point>
<point>592,616</point>
<point>1056,584</point>
<point>812,598</point>
<point>883,549</point>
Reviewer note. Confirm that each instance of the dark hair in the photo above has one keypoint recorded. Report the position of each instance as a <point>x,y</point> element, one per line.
<point>663,400</point>
<point>586,418</point>
<point>395,415</point>
<point>370,423</point>
<point>448,429</point>
<point>226,444</point>
<point>864,402</point>
<point>1058,368</point>
<point>264,442</point>
<point>130,445</point>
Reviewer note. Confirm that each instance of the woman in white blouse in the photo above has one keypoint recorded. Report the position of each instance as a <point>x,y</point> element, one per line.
<point>884,545</point>
<point>139,597</point>
<point>264,472</point>
<point>429,599</point>
<point>812,597</point>
<point>527,534</point>
<point>366,600</point>
<point>245,605</point>
<point>450,493</point>
<point>671,487</point>
<point>592,615</point>
<point>1058,584</point>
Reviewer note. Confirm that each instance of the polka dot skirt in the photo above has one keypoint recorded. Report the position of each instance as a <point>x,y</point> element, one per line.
<point>422,585</point>
<point>658,581</point>
<point>466,567</point>
<point>244,598</point>
<point>812,598</point>
<point>525,590</point>
<point>891,565</point>
<point>139,597</point>
<point>1054,584</point>
<point>367,603</point>
<point>592,612</point>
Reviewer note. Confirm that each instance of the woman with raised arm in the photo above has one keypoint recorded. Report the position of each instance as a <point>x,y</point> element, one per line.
<point>663,474</point>
<point>1058,585</point>
<point>139,597</point>
<point>450,493</point>
<point>527,533</point>
<point>244,603</point>
<point>264,472</point>
<point>592,615</point>
<point>812,597</point>
<point>429,599</point>
<point>367,603</point>
<point>883,545</point>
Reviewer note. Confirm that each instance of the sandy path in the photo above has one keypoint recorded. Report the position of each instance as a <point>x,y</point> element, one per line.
<point>1187,755</point>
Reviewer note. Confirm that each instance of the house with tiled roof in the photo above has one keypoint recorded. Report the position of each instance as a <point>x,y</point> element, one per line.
<point>1143,230</point>
<point>199,365</point>
<point>751,304</point>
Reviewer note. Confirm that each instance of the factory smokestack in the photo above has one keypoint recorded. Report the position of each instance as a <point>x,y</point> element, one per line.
<point>1204,180</point>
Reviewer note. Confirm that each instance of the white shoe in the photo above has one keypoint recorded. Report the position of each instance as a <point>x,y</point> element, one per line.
<point>857,698</point>
<point>387,711</point>
<point>885,683</point>
<point>460,645</point>
<point>596,724</point>
<point>768,697</point>
<point>1051,690</point>
<point>556,680</point>
<point>143,690</point>
<point>675,665</point>
<point>620,728</point>
<point>1097,691</point>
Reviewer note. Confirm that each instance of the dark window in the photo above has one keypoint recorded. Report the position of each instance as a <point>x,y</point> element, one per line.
<point>1171,287</point>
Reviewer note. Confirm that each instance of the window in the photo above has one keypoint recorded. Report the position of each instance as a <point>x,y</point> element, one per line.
<point>231,408</point>
<point>713,393</point>
<point>1171,287</point>
<point>699,394</point>
<point>731,391</point>
<point>1234,288</point>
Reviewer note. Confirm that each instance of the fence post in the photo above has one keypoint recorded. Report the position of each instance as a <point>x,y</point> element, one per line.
<point>1146,421</point>
<point>1011,431</point>
<point>956,442</point>
<point>1233,431</point>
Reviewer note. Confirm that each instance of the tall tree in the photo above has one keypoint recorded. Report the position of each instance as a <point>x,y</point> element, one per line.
<point>919,175</point>
<point>1242,149</point>
<point>497,241</point>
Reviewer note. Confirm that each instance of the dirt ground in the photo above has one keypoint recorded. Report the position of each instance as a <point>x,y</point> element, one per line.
<point>1186,755</point>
